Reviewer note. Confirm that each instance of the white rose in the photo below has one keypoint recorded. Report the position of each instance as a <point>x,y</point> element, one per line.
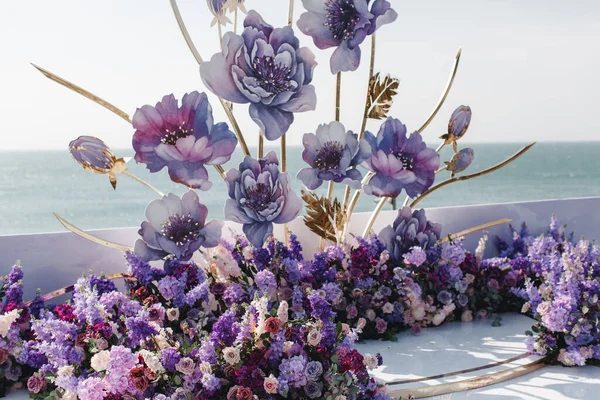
<point>152,361</point>
<point>438,319</point>
<point>371,361</point>
<point>282,312</point>
<point>205,368</point>
<point>6,321</point>
<point>173,314</point>
<point>231,355</point>
<point>418,312</point>
<point>314,337</point>
<point>388,308</point>
<point>65,371</point>
<point>99,361</point>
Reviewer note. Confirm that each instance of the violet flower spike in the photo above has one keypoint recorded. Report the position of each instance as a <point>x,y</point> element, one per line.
<point>176,226</point>
<point>460,161</point>
<point>410,229</point>
<point>182,138</point>
<point>344,24</point>
<point>333,155</point>
<point>267,68</point>
<point>399,162</point>
<point>260,196</point>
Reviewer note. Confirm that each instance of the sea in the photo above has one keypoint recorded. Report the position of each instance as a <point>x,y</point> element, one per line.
<point>34,185</point>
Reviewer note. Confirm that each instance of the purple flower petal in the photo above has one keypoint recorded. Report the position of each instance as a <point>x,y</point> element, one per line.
<point>273,122</point>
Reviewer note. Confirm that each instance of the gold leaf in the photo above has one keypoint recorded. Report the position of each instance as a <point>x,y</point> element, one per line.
<point>381,95</point>
<point>322,214</point>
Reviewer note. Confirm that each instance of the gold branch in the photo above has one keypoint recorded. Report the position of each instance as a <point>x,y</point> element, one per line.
<point>475,229</point>
<point>444,95</point>
<point>149,186</point>
<point>91,237</point>
<point>199,60</point>
<point>374,215</point>
<point>474,175</point>
<point>84,93</point>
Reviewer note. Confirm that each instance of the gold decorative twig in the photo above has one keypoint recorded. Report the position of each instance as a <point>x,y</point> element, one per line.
<point>149,186</point>
<point>381,96</point>
<point>338,95</point>
<point>286,227</point>
<point>444,95</point>
<point>90,237</point>
<point>374,215</point>
<point>291,13</point>
<point>261,144</point>
<point>324,217</point>
<point>185,32</point>
<point>199,60</point>
<point>475,229</point>
<point>352,204</point>
<point>471,176</point>
<point>84,93</point>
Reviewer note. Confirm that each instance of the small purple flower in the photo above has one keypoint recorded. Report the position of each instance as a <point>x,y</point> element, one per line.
<point>267,68</point>
<point>182,138</point>
<point>399,162</point>
<point>344,24</point>
<point>260,195</point>
<point>218,8</point>
<point>408,230</point>
<point>415,257</point>
<point>458,125</point>
<point>444,297</point>
<point>460,161</point>
<point>333,155</point>
<point>176,226</point>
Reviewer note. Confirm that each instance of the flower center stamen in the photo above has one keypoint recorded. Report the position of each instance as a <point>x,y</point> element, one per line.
<point>274,78</point>
<point>342,18</point>
<point>329,156</point>
<point>171,136</point>
<point>181,229</point>
<point>405,160</point>
<point>258,197</point>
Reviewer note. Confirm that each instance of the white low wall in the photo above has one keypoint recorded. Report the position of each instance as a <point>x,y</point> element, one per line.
<point>54,260</point>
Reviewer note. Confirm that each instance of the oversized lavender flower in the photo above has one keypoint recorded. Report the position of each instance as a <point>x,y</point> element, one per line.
<point>458,125</point>
<point>344,24</point>
<point>408,230</point>
<point>176,226</point>
<point>460,161</point>
<point>399,162</point>
<point>267,68</point>
<point>95,156</point>
<point>333,155</point>
<point>182,138</point>
<point>260,195</point>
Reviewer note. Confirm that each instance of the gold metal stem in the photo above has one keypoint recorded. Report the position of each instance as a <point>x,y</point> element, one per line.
<point>474,175</point>
<point>371,72</point>
<point>261,144</point>
<point>444,94</point>
<point>91,237</point>
<point>220,171</point>
<point>475,229</point>
<point>353,202</point>
<point>338,95</point>
<point>220,30</point>
<point>440,147</point>
<point>196,54</point>
<point>374,215</point>
<point>363,127</point>
<point>291,13</point>
<point>149,186</point>
<point>84,93</point>
<point>235,22</point>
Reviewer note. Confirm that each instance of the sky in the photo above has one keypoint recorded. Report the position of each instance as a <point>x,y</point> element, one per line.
<point>529,69</point>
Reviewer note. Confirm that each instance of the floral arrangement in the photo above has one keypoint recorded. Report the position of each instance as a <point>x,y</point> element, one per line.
<point>254,318</point>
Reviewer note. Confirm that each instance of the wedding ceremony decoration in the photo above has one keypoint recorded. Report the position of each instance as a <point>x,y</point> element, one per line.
<point>254,316</point>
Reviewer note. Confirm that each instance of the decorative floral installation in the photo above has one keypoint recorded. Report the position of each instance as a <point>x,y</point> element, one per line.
<point>344,24</point>
<point>252,317</point>
<point>266,67</point>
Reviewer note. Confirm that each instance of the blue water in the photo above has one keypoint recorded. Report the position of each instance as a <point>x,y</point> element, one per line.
<point>35,184</point>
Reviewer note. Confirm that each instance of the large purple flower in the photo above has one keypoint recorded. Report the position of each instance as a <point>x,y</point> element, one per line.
<point>176,226</point>
<point>267,68</point>
<point>344,24</point>
<point>408,230</point>
<point>182,138</point>
<point>260,196</point>
<point>399,162</point>
<point>333,155</point>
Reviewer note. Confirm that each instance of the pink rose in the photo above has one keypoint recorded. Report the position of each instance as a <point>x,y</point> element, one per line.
<point>467,316</point>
